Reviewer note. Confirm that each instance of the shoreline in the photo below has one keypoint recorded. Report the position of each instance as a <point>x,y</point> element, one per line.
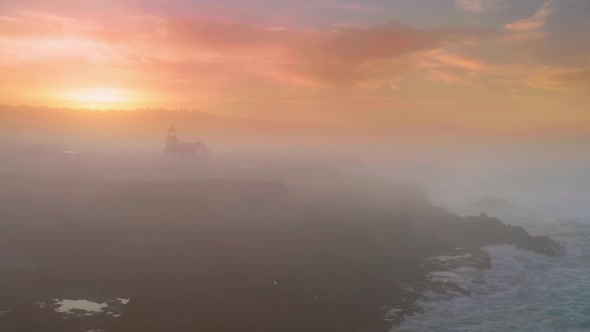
<point>181,249</point>
<point>441,287</point>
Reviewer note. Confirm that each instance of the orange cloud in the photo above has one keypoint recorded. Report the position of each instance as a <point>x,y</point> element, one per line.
<point>529,29</point>
<point>173,61</point>
<point>372,71</point>
<point>463,62</point>
<point>439,65</point>
<point>441,76</point>
<point>561,79</point>
<point>182,48</point>
<point>337,57</point>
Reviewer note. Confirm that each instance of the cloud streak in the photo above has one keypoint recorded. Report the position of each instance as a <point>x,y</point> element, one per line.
<point>479,6</point>
<point>561,79</point>
<point>535,22</point>
<point>529,29</point>
<point>447,78</point>
<point>296,56</point>
<point>338,54</point>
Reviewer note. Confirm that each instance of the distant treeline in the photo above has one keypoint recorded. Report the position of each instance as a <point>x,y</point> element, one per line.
<point>61,126</point>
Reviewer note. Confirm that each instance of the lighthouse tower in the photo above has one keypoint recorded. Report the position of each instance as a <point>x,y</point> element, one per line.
<point>172,138</point>
<point>177,148</point>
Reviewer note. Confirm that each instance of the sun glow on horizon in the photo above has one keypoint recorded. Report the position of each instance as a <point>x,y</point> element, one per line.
<point>100,97</point>
<point>462,65</point>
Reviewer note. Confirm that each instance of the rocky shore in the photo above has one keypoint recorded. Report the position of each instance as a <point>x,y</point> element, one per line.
<point>226,255</point>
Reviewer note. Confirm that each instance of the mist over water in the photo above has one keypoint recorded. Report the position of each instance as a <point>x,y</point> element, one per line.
<point>294,166</point>
<point>522,291</point>
<point>544,191</point>
<point>317,230</point>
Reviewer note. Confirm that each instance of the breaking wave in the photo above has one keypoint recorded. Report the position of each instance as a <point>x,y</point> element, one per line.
<point>522,291</point>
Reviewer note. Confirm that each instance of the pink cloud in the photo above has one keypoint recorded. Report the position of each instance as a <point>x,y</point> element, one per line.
<point>535,22</point>
<point>34,24</point>
<point>479,6</point>
<point>441,76</point>
<point>437,64</point>
<point>529,29</point>
<point>323,57</point>
<point>342,6</point>
<point>463,62</point>
<point>184,54</point>
<point>560,79</point>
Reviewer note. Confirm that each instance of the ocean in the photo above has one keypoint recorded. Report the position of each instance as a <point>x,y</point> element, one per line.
<point>522,291</point>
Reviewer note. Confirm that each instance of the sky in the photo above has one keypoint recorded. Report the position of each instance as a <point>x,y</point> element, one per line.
<point>505,67</point>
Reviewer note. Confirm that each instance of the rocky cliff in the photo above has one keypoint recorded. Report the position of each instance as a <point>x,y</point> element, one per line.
<point>226,255</point>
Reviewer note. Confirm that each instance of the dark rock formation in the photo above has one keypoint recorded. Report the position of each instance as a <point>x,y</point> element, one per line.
<point>484,230</point>
<point>491,203</point>
<point>225,255</point>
